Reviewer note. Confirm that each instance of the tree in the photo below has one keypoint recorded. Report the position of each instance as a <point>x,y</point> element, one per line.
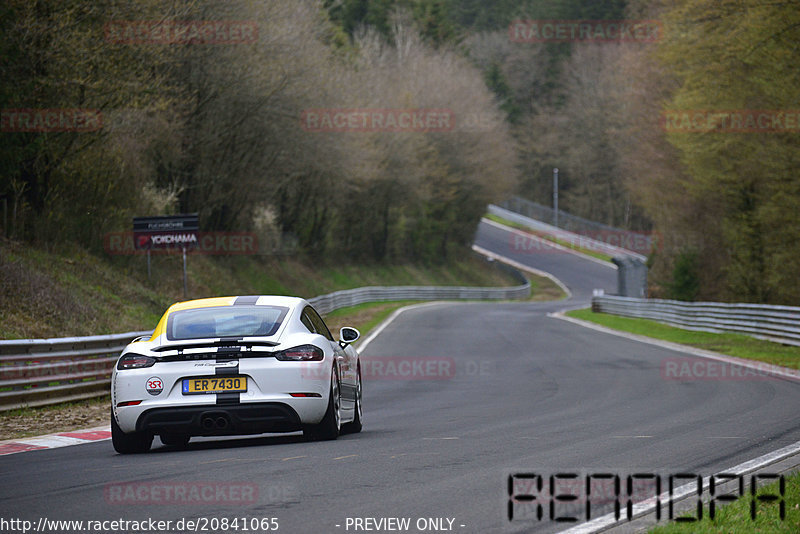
<point>734,55</point>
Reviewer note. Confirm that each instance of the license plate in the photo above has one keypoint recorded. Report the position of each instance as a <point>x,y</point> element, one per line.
<point>214,384</point>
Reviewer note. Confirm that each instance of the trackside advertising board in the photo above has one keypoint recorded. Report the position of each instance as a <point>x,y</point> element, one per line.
<point>165,232</point>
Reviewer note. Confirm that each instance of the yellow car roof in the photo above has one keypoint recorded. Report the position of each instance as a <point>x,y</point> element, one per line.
<point>220,301</point>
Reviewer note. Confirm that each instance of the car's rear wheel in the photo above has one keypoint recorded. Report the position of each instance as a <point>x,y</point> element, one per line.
<point>331,425</point>
<point>133,443</point>
<point>355,426</point>
<point>175,439</point>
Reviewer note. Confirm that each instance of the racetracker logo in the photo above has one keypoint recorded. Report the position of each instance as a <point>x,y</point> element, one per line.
<point>408,368</point>
<point>50,120</point>
<point>206,243</point>
<point>731,121</point>
<point>93,369</point>
<point>181,493</point>
<point>692,369</point>
<point>377,120</point>
<point>476,122</point>
<point>600,241</point>
<point>585,31</point>
<point>422,368</point>
<point>205,32</point>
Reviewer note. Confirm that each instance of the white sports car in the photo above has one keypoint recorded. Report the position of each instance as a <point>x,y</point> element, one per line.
<point>236,365</point>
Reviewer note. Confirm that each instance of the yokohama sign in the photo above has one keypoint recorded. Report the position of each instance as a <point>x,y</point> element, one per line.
<point>167,232</point>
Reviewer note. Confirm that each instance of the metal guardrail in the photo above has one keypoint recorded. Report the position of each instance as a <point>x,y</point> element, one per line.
<point>774,323</point>
<point>352,297</point>
<point>37,372</point>
<point>342,299</point>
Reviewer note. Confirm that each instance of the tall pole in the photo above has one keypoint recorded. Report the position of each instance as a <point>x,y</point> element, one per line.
<point>555,195</point>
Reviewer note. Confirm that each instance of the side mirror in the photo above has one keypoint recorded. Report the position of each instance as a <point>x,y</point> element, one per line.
<point>348,335</point>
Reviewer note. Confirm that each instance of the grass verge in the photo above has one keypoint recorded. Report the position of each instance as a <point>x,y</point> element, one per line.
<point>364,317</point>
<point>737,345</point>
<point>76,293</point>
<point>542,289</point>
<point>547,237</point>
<point>736,516</point>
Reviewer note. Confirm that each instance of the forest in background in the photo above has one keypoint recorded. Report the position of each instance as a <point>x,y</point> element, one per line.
<point>216,129</point>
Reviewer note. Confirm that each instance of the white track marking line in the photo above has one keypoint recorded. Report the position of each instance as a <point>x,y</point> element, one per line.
<point>528,235</point>
<point>53,441</point>
<point>523,267</point>
<point>380,328</point>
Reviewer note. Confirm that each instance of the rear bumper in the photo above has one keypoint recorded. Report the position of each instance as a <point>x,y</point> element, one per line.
<point>250,418</point>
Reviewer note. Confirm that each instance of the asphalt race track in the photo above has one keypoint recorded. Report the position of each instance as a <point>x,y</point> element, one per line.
<point>456,395</point>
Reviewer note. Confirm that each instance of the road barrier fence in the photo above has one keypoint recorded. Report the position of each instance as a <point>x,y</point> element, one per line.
<point>774,323</point>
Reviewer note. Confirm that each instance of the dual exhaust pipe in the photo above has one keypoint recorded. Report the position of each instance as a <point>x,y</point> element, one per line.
<point>211,423</point>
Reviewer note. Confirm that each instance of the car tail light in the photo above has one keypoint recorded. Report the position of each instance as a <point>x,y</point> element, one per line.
<point>135,361</point>
<point>303,353</point>
<point>301,395</point>
<point>129,403</point>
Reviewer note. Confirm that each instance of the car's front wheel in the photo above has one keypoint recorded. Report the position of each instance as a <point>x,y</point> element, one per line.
<point>331,425</point>
<point>133,443</point>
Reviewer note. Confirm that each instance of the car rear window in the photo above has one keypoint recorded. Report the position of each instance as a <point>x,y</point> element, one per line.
<point>225,321</point>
